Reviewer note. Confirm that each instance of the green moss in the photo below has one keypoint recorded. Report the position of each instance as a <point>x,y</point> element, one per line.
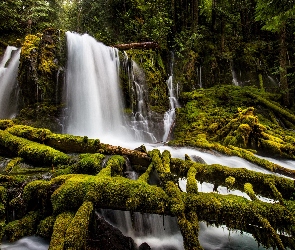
<point>89,163</point>
<point>4,124</point>
<point>31,151</point>
<point>189,227</point>
<point>229,182</point>
<point>236,177</point>
<point>77,232</point>
<point>177,205</point>
<point>145,176</point>
<point>192,185</point>
<point>12,163</point>
<point>249,191</point>
<point>30,45</point>
<point>45,227</point>
<point>24,227</point>
<point>60,227</point>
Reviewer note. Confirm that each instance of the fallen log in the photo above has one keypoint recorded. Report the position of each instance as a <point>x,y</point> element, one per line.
<point>142,45</point>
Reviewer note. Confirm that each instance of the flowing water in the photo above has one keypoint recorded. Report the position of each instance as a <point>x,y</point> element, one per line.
<point>93,96</point>
<point>8,82</point>
<point>85,104</point>
<point>140,122</point>
<point>94,108</point>
<point>169,116</point>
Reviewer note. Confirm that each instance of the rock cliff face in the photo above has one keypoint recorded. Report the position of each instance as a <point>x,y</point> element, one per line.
<point>41,77</point>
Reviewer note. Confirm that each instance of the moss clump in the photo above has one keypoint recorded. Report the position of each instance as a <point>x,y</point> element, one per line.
<point>229,182</point>
<point>31,151</point>
<point>45,227</point>
<point>19,228</point>
<point>12,163</point>
<point>4,124</point>
<point>30,45</point>
<point>77,232</point>
<point>60,227</point>
<point>89,163</point>
<point>249,191</point>
<point>192,185</point>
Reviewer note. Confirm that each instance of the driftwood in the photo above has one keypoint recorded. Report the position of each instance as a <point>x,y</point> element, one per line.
<point>142,45</point>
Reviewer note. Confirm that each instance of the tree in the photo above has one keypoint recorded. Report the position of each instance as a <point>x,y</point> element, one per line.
<point>276,16</point>
<point>21,17</point>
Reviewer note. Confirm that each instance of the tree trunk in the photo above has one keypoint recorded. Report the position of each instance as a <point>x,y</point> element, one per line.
<point>214,15</point>
<point>143,45</point>
<point>195,15</point>
<point>283,66</point>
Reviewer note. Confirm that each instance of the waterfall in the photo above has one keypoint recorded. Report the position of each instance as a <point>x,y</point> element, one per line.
<point>140,122</point>
<point>94,108</point>
<point>234,75</point>
<point>8,82</point>
<point>93,97</point>
<point>169,116</point>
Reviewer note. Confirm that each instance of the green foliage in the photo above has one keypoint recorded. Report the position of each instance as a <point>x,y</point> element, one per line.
<point>274,14</point>
<point>23,17</point>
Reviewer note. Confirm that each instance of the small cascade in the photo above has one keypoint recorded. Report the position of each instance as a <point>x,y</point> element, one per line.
<point>234,75</point>
<point>200,76</point>
<point>140,121</point>
<point>93,96</point>
<point>169,116</point>
<point>8,82</point>
<point>160,232</point>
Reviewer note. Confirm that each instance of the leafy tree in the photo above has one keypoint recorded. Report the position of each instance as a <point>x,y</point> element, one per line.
<point>20,17</point>
<point>276,16</point>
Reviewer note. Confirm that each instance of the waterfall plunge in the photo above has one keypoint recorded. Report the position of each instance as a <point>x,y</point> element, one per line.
<point>8,82</point>
<point>93,98</point>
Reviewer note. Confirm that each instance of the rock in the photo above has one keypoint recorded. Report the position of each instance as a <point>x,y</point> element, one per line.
<point>144,246</point>
<point>198,159</point>
<point>105,236</point>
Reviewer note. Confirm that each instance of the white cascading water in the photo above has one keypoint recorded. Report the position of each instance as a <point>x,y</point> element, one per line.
<point>93,96</point>
<point>85,67</point>
<point>139,121</point>
<point>169,116</point>
<point>90,63</point>
<point>8,82</point>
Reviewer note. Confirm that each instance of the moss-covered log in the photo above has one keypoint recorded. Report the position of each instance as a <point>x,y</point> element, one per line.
<point>61,203</point>
<point>75,144</point>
